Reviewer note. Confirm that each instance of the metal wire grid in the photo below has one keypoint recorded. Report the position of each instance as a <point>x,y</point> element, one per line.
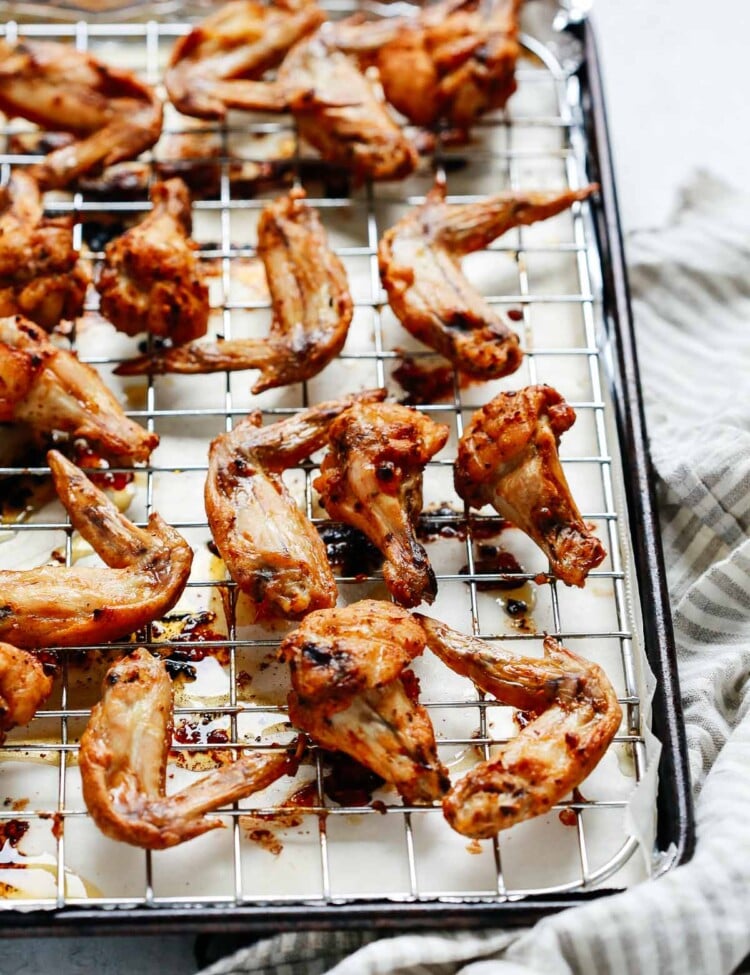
<point>151,39</point>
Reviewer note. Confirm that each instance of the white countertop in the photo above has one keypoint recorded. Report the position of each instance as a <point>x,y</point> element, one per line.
<point>676,97</point>
<point>676,103</point>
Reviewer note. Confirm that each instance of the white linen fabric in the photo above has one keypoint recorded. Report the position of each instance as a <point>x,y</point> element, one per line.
<point>691,302</point>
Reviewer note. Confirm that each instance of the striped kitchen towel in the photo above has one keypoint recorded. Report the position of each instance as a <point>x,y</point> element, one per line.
<point>691,299</point>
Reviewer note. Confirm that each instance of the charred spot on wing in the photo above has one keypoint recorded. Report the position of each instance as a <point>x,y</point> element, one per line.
<point>317,655</point>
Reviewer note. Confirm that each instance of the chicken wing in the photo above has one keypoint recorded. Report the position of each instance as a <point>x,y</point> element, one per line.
<point>577,715</point>
<point>351,693</point>
<point>270,547</point>
<point>507,457</point>
<point>24,687</point>
<point>152,279</point>
<point>420,271</point>
<point>338,113</point>
<point>113,115</point>
<point>312,307</point>
<point>336,109</point>
<point>452,62</point>
<point>371,478</point>
<point>238,42</point>
<point>40,274</point>
<point>55,394</point>
<point>123,762</point>
<point>57,606</point>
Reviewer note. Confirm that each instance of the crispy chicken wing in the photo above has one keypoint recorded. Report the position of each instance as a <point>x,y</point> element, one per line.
<point>152,279</point>
<point>338,112</point>
<point>113,115</point>
<point>57,606</point>
<point>420,271</point>
<point>238,42</point>
<point>371,478</point>
<point>312,307</point>
<point>507,457</point>
<point>452,62</point>
<point>24,687</point>
<point>336,109</point>
<point>577,715</point>
<point>270,547</point>
<point>350,693</point>
<point>123,761</point>
<point>40,274</point>
<point>54,393</point>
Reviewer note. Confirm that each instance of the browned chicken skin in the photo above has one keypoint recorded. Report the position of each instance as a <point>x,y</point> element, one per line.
<point>57,606</point>
<point>40,274</point>
<point>454,61</point>
<point>350,693</point>
<point>24,687</point>
<point>238,42</point>
<point>576,716</point>
<point>338,112</point>
<point>312,307</point>
<point>336,109</point>
<point>54,393</point>
<point>420,271</point>
<point>113,115</point>
<point>271,549</point>
<point>123,762</point>
<point>152,279</point>
<point>371,478</point>
<point>507,457</point>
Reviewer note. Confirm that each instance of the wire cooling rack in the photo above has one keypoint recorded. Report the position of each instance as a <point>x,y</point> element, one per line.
<point>321,852</point>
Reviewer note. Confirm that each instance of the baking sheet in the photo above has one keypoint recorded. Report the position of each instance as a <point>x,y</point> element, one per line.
<point>547,276</point>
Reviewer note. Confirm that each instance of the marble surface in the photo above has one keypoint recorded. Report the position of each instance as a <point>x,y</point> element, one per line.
<point>672,80</point>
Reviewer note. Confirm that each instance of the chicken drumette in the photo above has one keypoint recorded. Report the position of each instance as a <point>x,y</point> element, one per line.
<point>111,114</point>
<point>351,693</point>
<point>152,279</point>
<point>452,62</point>
<point>420,271</point>
<point>237,43</point>
<point>270,547</point>
<point>55,394</point>
<point>40,274</point>
<point>312,307</point>
<point>576,715</point>
<point>24,687</point>
<point>57,606</point>
<point>123,762</point>
<point>371,478</point>
<point>507,457</point>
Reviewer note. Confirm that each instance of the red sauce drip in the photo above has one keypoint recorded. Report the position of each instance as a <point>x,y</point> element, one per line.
<point>493,560</point>
<point>568,817</point>
<point>441,522</point>
<point>108,479</point>
<point>424,383</point>
<point>488,527</point>
<point>199,733</point>
<point>303,798</point>
<point>348,783</point>
<point>349,550</point>
<point>13,831</point>
<point>515,314</point>
<point>445,521</point>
